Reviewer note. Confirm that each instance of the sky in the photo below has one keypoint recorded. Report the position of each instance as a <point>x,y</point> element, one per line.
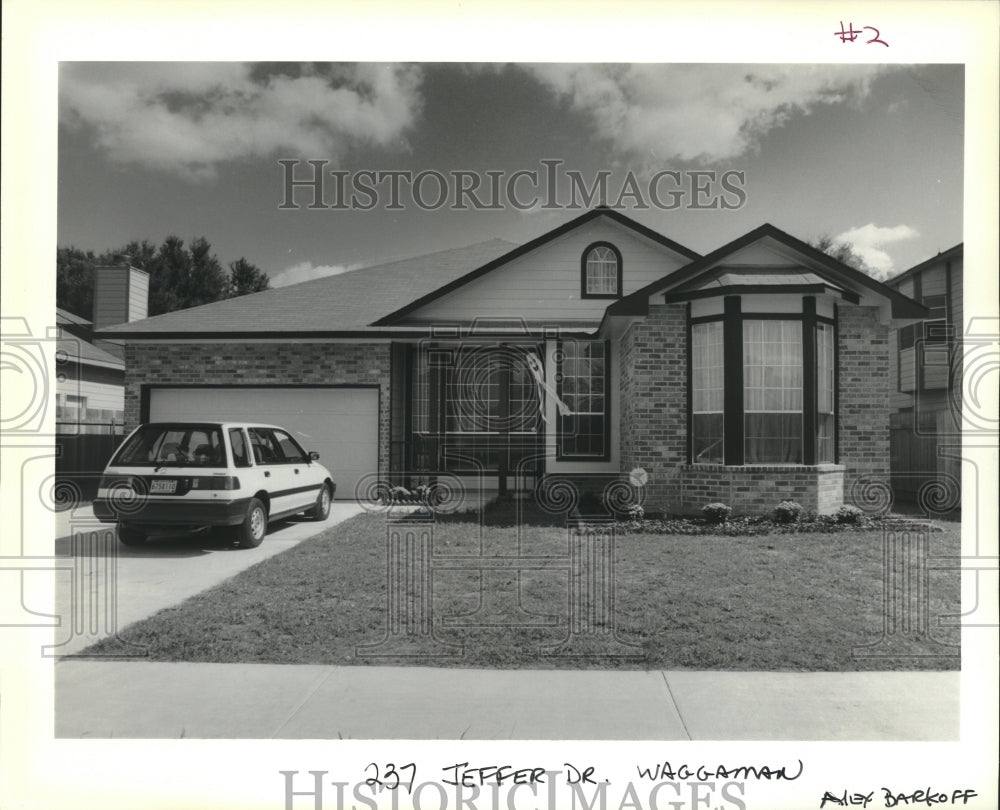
<point>868,154</point>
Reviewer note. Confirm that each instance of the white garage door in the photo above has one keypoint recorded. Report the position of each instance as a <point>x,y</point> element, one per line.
<point>341,424</point>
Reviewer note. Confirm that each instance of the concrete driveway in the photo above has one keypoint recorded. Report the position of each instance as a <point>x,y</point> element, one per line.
<point>111,585</point>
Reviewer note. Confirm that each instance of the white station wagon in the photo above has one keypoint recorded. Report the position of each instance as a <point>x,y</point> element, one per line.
<point>184,476</point>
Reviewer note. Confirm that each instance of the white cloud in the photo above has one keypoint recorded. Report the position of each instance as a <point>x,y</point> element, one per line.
<point>867,241</point>
<point>701,113</point>
<point>189,117</point>
<point>306,271</point>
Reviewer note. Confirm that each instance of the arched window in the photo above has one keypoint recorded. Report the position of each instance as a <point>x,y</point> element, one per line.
<point>601,271</point>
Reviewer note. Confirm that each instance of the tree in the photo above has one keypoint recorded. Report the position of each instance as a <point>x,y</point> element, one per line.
<point>138,254</point>
<point>845,253</point>
<point>168,271</point>
<point>75,280</point>
<point>206,281</point>
<point>245,278</point>
<point>179,276</point>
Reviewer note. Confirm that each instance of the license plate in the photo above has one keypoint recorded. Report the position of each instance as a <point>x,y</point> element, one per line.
<point>163,487</point>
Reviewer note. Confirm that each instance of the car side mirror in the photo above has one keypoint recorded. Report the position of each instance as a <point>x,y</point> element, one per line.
<point>313,455</point>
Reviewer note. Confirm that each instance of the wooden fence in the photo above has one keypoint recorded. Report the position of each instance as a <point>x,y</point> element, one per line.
<point>916,457</point>
<point>82,455</point>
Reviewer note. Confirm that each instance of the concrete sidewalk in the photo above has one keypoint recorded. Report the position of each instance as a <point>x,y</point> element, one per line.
<point>137,699</point>
<point>102,698</point>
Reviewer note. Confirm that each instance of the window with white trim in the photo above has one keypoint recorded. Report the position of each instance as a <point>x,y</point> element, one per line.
<point>582,375</point>
<point>601,271</point>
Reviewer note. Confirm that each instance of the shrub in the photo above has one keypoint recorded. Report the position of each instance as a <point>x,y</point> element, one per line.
<point>787,512</point>
<point>636,512</point>
<point>401,495</point>
<point>716,512</point>
<point>850,514</point>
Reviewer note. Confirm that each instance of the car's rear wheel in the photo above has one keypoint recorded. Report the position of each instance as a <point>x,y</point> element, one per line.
<point>250,533</point>
<point>321,511</point>
<point>130,536</point>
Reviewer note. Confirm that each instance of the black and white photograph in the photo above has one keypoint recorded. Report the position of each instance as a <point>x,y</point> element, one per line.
<point>394,427</point>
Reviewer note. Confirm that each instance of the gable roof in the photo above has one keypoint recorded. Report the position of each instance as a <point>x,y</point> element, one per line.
<point>66,318</point>
<point>830,271</point>
<point>74,344</point>
<point>945,256</point>
<point>341,305</point>
<point>527,247</point>
<point>737,279</point>
<point>77,350</point>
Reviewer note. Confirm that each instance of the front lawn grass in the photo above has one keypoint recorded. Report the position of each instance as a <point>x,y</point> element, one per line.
<point>775,602</point>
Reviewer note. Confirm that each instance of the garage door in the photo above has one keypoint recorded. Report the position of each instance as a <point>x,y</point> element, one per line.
<point>341,424</point>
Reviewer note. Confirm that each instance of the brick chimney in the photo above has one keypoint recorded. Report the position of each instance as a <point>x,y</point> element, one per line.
<point>121,294</point>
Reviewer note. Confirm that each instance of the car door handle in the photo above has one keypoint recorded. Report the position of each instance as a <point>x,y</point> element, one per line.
<point>296,471</point>
<point>267,473</point>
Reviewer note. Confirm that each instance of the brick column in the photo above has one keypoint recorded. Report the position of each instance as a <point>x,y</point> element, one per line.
<point>863,388</point>
<point>654,401</point>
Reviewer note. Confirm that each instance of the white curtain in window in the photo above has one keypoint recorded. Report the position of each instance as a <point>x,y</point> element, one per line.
<point>825,384</point>
<point>707,392</point>
<point>602,271</point>
<point>772,391</point>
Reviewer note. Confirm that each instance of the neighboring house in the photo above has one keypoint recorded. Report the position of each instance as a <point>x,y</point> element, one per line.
<point>754,374</point>
<point>926,374</point>
<point>90,378</point>
<point>90,374</point>
<point>90,382</point>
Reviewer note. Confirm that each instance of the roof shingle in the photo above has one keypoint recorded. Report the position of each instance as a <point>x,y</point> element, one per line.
<point>344,302</point>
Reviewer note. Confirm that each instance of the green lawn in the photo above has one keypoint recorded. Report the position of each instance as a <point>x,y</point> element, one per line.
<point>775,602</point>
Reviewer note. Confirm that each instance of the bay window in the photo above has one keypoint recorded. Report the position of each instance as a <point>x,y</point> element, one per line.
<point>707,429</point>
<point>772,392</point>
<point>763,386</point>
<point>826,348</point>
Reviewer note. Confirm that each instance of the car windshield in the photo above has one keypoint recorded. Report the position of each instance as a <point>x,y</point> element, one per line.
<point>173,445</point>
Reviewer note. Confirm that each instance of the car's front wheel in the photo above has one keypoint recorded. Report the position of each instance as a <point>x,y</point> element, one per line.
<point>321,511</point>
<point>130,536</point>
<point>250,533</point>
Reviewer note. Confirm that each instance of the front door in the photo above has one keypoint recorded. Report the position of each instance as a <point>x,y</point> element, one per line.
<point>485,411</point>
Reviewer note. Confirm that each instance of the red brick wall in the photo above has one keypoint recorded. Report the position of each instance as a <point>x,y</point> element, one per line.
<point>259,364</point>
<point>756,490</point>
<point>654,421</point>
<point>865,389</point>
<point>654,399</point>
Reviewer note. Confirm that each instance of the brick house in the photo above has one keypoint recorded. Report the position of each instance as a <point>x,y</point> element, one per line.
<point>756,373</point>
